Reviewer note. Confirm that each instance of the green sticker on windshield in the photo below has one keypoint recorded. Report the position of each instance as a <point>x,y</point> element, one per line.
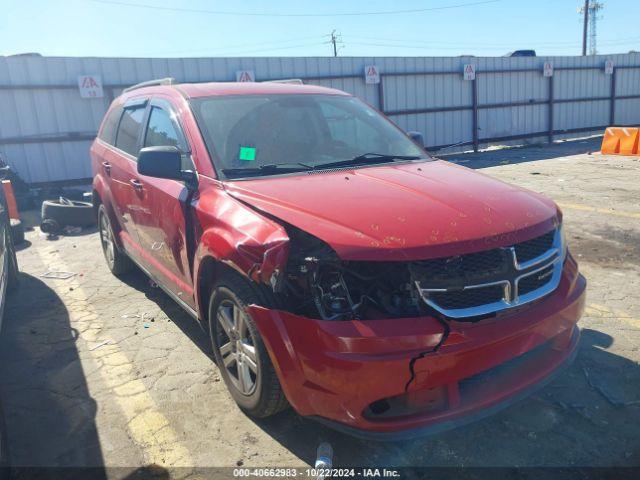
<point>248,154</point>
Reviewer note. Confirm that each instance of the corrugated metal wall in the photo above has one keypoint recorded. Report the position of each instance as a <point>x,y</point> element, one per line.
<point>39,97</point>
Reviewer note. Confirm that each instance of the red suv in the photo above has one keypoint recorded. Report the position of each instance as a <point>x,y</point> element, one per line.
<point>337,267</point>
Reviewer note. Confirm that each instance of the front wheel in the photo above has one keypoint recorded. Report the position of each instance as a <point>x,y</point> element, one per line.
<point>239,350</point>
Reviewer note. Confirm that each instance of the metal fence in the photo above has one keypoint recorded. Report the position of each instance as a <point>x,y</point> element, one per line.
<point>46,127</point>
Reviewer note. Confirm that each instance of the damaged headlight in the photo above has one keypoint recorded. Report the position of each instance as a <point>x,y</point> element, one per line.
<point>330,292</point>
<point>320,284</point>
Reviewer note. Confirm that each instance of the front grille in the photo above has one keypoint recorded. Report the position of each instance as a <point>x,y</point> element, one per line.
<point>531,249</point>
<point>535,281</point>
<point>473,265</point>
<point>489,281</point>
<point>468,298</point>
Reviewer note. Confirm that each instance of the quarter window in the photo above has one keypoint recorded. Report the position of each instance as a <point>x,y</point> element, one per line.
<point>108,132</point>
<point>129,130</point>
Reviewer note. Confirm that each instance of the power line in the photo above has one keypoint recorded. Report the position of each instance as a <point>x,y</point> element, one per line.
<point>282,48</point>
<point>476,44</point>
<point>426,47</point>
<point>244,52</point>
<point>236,47</point>
<point>266,14</point>
<point>337,37</point>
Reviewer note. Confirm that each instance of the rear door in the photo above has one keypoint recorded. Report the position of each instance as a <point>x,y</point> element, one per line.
<point>121,160</point>
<point>161,219</point>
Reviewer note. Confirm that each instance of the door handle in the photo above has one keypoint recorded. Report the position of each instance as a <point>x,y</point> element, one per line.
<point>107,167</point>
<point>136,184</point>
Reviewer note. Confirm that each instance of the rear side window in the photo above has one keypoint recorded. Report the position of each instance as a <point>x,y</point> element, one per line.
<point>129,130</point>
<point>108,132</point>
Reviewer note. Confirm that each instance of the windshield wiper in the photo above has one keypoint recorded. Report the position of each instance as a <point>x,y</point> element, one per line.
<point>367,158</point>
<point>268,169</point>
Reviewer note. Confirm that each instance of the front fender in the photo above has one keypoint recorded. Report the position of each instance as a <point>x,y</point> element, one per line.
<point>237,236</point>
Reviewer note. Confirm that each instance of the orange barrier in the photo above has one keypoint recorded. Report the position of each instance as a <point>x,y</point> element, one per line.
<point>12,206</point>
<point>621,141</point>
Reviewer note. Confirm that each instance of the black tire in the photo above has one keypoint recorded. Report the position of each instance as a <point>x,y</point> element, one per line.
<point>266,398</point>
<point>69,212</point>
<point>4,448</point>
<point>117,260</point>
<point>17,231</point>
<point>49,226</point>
<point>13,278</point>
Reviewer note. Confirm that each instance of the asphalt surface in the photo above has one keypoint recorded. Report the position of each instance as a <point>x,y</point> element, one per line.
<point>96,371</point>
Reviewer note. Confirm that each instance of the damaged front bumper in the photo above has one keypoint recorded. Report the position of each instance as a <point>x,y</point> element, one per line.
<point>395,378</point>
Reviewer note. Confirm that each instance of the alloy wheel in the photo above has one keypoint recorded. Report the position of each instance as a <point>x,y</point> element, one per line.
<point>106,237</point>
<point>237,347</point>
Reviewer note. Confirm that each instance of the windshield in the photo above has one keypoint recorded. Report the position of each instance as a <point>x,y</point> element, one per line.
<point>254,135</point>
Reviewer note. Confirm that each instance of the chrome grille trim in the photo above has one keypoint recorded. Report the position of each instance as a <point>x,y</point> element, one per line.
<point>511,298</point>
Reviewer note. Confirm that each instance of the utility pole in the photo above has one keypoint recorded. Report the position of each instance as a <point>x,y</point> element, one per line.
<point>585,12</point>
<point>334,41</point>
<point>590,19</point>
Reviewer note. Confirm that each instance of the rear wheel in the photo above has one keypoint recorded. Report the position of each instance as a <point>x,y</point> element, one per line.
<point>117,260</point>
<point>239,350</point>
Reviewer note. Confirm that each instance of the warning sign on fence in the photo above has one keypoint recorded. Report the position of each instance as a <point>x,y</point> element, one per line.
<point>469,72</point>
<point>547,69</point>
<point>371,74</point>
<point>90,86</point>
<point>608,67</point>
<point>245,76</point>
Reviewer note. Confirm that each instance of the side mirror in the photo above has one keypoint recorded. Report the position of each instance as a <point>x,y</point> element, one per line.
<point>416,137</point>
<point>160,162</point>
<point>165,162</point>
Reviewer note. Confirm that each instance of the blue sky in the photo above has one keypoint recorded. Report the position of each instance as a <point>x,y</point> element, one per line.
<point>96,28</point>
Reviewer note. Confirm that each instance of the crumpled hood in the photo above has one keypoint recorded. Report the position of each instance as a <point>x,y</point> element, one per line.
<point>409,211</point>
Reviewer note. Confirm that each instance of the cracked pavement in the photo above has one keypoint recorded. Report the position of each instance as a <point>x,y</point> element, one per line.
<point>98,371</point>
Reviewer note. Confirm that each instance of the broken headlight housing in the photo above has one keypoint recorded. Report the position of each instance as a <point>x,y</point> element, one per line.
<point>321,285</point>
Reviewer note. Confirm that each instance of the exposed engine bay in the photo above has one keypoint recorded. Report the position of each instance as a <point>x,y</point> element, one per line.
<point>319,284</point>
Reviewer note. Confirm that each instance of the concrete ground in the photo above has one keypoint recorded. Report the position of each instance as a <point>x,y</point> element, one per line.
<point>96,371</point>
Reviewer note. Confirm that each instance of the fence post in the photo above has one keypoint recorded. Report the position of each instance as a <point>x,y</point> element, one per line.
<point>474,97</point>
<point>550,113</point>
<point>381,94</point>
<point>612,98</point>
<point>109,94</point>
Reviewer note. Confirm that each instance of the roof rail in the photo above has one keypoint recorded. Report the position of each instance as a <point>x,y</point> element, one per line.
<point>292,81</point>
<point>151,83</point>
